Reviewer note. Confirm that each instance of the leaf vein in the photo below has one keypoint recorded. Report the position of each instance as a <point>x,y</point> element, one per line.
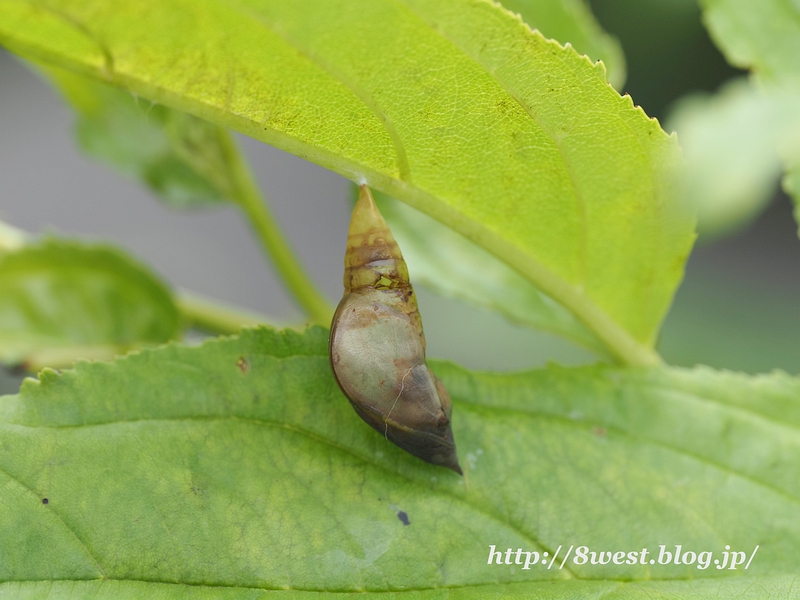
<point>58,517</point>
<point>368,99</point>
<point>625,433</point>
<point>328,442</point>
<point>580,202</point>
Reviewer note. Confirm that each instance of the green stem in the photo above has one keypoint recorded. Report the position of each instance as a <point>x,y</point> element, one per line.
<point>246,194</point>
<point>214,316</point>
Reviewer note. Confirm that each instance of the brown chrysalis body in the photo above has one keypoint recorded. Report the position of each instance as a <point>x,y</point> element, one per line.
<point>377,347</point>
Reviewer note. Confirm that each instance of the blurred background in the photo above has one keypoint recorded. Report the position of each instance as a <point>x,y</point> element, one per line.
<point>738,308</point>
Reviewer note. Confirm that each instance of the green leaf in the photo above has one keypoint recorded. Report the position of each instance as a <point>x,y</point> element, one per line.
<point>571,21</point>
<point>765,38</point>
<point>731,140</point>
<point>451,265</point>
<point>181,158</point>
<point>238,467</point>
<point>63,300</point>
<point>761,36</point>
<point>453,106</point>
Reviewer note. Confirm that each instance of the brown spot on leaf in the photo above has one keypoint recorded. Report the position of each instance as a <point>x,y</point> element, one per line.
<point>599,431</point>
<point>243,365</point>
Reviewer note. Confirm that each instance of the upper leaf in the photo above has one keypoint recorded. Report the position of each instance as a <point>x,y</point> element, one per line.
<point>62,300</point>
<point>451,265</point>
<point>732,142</point>
<point>454,106</point>
<point>238,467</point>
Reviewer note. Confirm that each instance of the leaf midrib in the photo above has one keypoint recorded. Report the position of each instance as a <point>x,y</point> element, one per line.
<point>494,585</point>
<point>403,167</point>
<point>320,440</point>
<point>647,441</point>
<point>510,90</point>
<point>400,153</point>
<point>59,519</point>
<point>472,407</point>
<point>476,407</point>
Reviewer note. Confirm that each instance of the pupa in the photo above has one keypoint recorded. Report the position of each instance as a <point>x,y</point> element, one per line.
<point>377,347</point>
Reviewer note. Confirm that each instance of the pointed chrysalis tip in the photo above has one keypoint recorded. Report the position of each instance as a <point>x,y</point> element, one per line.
<point>367,218</point>
<point>367,200</point>
<point>364,193</point>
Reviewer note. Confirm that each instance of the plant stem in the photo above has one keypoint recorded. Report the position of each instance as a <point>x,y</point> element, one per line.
<point>245,193</point>
<point>214,316</point>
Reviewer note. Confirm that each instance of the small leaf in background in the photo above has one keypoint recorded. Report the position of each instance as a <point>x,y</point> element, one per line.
<point>572,21</point>
<point>11,238</point>
<point>180,157</point>
<point>238,467</point>
<point>736,143</point>
<point>453,106</point>
<point>451,265</point>
<point>763,36</point>
<point>64,300</point>
<point>732,141</point>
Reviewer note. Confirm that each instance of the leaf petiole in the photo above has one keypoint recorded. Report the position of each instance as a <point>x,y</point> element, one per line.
<point>214,316</point>
<point>246,194</point>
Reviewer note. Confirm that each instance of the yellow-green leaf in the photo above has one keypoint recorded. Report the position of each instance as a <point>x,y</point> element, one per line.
<point>453,106</point>
<point>451,265</point>
<point>571,21</point>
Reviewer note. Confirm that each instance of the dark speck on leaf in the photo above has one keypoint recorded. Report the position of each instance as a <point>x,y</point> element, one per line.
<point>243,365</point>
<point>403,517</point>
<point>45,501</point>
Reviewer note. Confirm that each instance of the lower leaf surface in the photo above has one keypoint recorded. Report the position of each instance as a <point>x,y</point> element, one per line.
<point>238,467</point>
